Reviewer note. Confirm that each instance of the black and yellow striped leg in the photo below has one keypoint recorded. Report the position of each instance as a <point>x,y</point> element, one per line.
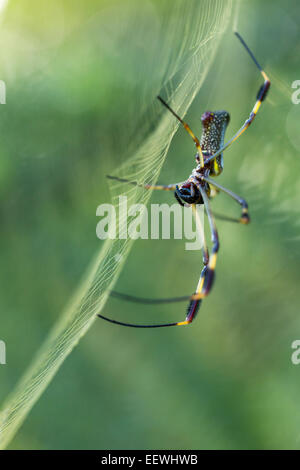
<point>261,95</point>
<point>135,325</point>
<point>203,288</point>
<point>163,187</point>
<point>188,129</point>
<point>209,275</point>
<point>245,218</point>
<point>208,272</point>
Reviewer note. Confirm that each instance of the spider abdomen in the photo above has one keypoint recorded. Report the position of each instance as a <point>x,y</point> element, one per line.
<point>214,124</point>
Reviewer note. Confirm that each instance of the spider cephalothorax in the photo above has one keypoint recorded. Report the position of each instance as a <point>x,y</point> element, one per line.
<point>189,192</point>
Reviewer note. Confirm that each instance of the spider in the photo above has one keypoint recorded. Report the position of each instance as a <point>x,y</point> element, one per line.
<point>199,188</point>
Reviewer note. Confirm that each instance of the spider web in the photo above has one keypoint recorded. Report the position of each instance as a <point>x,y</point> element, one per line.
<point>187,36</point>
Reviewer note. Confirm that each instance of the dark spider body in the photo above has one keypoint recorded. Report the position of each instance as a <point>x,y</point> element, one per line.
<point>199,188</point>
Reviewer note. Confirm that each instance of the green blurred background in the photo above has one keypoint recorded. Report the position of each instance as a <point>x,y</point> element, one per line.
<point>225,382</point>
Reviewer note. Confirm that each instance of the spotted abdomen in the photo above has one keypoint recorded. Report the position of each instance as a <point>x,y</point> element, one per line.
<point>214,124</point>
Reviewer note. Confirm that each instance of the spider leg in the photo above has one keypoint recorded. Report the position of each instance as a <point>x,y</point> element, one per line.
<point>166,300</point>
<point>213,193</point>
<point>261,95</point>
<point>203,288</point>
<point>208,272</point>
<point>244,219</point>
<point>200,228</point>
<point>143,300</point>
<point>164,187</point>
<point>188,129</point>
<point>135,325</point>
<point>226,218</point>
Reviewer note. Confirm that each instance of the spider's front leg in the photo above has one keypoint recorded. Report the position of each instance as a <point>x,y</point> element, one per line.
<point>261,96</point>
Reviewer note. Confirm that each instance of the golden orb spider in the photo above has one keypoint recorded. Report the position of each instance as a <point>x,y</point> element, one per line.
<point>197,189</point>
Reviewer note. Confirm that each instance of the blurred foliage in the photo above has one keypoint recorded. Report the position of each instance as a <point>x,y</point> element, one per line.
<point>225,382</point>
